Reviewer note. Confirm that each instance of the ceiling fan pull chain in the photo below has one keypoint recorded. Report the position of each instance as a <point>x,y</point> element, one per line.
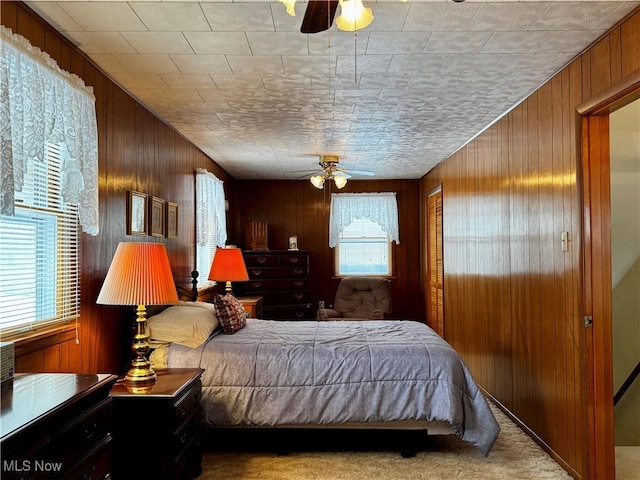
<point>355,57</point>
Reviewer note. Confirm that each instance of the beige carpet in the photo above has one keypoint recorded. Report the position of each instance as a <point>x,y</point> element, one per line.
<point>346,456</point>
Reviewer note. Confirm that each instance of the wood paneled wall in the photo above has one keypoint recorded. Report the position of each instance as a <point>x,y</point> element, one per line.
<point>136,151</point>
<point>298,208</point>
<point>513,297</point>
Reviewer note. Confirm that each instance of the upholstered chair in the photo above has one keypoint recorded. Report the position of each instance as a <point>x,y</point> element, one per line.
<point>359,298</point>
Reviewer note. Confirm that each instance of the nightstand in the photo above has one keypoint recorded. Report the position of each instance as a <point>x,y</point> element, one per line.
<point>157,434</point>
<point>252,306</point>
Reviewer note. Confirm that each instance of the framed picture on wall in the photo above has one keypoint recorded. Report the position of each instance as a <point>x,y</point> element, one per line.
<point>136,213</point>
<point>157,217</point>
<point>172,220</point>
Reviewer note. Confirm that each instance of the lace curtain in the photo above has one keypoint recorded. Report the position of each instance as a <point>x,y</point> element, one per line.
<point>381,208</point>
<point>39,104</point>
<point>211,223</point>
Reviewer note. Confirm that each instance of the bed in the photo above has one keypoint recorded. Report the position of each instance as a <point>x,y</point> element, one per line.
<point>376,374</point>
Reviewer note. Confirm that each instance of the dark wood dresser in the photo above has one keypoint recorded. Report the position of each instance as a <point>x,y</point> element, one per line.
<point>56,425</point>
<point>157,434</point>
<point>281,278</point>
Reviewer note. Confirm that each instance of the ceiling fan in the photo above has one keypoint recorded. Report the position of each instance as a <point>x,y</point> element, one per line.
<point>319,15</point>
<point>331,171</point>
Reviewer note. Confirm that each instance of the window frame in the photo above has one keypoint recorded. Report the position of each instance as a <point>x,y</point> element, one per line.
<point>390,256</point>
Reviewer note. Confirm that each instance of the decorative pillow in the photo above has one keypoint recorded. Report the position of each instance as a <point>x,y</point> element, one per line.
<point>230,313</point>
<point>188,323</point>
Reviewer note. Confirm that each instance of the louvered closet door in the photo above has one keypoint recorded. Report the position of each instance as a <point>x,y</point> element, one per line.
<point>435,281</point>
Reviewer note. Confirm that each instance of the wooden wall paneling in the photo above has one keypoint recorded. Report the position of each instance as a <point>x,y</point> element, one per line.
<point>548,243</point>
<point>630,57</point>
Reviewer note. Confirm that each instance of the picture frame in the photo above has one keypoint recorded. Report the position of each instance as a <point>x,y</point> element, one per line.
<point>137,213</point>
<point>157,217</point>
<point>172,220</point>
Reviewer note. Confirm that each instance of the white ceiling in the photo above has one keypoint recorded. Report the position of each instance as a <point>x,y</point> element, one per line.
<point>241,82</point>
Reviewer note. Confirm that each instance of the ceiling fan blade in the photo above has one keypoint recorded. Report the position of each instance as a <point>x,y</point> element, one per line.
<point>318,16</point>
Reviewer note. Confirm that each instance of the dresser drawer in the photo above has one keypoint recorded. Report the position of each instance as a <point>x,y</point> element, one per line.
<point>269,285</point>
<point>278,272</point>
<point>83,432</point>
<point>261,260</point>
<point>187,433</point>
<point>96,465</point>
<point>285,297</point>
<point>293,260</point>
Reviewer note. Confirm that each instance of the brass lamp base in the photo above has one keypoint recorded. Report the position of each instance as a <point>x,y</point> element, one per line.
<point>140,378</point>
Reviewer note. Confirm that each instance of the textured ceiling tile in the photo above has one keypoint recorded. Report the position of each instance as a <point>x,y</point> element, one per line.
<point>193,80</point>
<point>277,43</point>
<point>516,42</point>
<point>214,64</point>
<point>103,16</point>
<point>430,17</point>
<point>58,18</point>
<point>147,63</point>
<point>575,16</point>
<point>239,17</point>
<point>252,64</point>
<point>507,16</point>
<point>570,41</point>
<point>212,43</point>
<point>100,42</point>
<point>171,17</point>
<point>158,42</point>
<point>457,42</point>
<point>138,81</point>
<point>397,42</point>
<point>180,95</point>
<point>238,81</point>
<point>348,64</point>
<point>417,63</point>
<point>108,63</point>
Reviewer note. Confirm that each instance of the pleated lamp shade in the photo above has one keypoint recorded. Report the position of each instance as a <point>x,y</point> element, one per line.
<point>228,266</point>
<point>139,274</point>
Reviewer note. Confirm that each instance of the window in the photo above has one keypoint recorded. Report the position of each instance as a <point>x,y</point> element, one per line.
<point>363,249</point>
<point>211,226</point>
<point>362,227</point>
<point>40,279</point>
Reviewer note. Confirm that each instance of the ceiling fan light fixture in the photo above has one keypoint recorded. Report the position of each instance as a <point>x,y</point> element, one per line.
<point>340,180</point>
<point>290,6</point>
<point>354,16</point>
<point>317,181</point>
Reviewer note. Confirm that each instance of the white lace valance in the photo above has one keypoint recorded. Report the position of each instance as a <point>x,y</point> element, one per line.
<point>210,209</point>
<point>380,208</point>
<point>39,104</point>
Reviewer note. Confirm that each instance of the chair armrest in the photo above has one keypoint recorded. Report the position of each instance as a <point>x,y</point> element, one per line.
<point>325,313</point>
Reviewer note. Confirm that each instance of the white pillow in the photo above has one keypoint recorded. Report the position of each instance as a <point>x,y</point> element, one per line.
<point>188,323</point>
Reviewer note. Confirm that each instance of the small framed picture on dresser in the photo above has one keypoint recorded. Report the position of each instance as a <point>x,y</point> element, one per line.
<point>157,217</point>
<point>136,213</point>
<point>172,220</point>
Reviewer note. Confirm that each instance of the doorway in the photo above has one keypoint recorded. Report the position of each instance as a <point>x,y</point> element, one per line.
<point>597,269</point>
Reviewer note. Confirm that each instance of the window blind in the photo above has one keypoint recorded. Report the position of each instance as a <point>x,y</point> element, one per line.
<point>39,252</point>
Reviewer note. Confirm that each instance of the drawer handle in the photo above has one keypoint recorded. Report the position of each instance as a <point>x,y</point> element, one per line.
<point>89,431</point>
<point>88,472</point>
<point>262,260</point>
<point>298,296</point>
<point>299,314</point>
<point>183,438</point>
<point>297,283</point>
<point>298,271</point>
<point>256,284</point>
<point>293,259</point>
<point>182,411</point>
<point>257,273</point>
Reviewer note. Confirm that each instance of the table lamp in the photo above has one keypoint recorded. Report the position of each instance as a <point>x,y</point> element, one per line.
<point>139,275</point>
<point>228,266</point>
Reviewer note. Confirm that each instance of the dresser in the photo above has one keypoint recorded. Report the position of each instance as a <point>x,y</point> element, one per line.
<point>56,425</point>
<point>157,434</point>
<point>281,278</point>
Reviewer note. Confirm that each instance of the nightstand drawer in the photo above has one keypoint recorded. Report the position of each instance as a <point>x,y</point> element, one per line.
<point>96,465</point>
<point>185,405</point>
<point>188,432</point>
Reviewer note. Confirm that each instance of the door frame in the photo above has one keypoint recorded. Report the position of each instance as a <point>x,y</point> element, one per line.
<point>596,267</point>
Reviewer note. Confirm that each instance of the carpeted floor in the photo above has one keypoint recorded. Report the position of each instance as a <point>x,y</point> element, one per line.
<point>348,455</point>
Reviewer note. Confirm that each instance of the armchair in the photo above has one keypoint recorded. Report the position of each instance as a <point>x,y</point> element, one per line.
<point>359,298</point>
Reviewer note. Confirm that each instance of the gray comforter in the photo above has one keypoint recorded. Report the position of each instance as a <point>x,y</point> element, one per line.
<point>309,373</point>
